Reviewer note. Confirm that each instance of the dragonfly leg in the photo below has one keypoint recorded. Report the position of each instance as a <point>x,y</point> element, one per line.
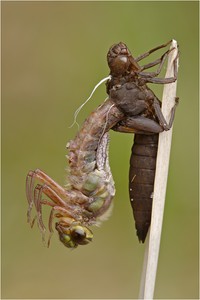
<point>57,204</point>
<point>144,55</point>
<point>166,126</point>
<point>138,124</point>
<point>159,61</point>
<point>166,80</point>
<point>58,195</point>
<point>45,179</point>
<point>143,125</point>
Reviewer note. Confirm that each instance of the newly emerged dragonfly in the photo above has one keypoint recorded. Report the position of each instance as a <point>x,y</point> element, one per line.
<point>86,201</point>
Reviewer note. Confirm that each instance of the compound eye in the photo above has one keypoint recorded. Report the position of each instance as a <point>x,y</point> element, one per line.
<point>74,235</point>
<point>81,235</point>
<point>119,65</point>
<point>78,234</point>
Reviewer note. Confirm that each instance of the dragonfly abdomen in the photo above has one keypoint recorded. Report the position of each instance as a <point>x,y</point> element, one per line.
<point>141,180</point>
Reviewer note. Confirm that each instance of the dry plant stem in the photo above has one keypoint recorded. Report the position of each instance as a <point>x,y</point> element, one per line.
<point>162,164</point>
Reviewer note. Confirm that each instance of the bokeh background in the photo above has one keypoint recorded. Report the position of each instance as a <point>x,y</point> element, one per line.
<point>53,53</point>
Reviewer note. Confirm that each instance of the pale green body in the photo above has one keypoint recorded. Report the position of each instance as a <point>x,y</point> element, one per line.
<point>88,196</point>
<point>89,171</point>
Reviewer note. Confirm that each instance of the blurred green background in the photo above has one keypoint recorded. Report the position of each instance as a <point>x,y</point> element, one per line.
<point>53,53</point>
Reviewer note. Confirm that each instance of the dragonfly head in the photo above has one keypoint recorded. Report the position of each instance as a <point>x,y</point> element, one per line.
<point>74,235</point>
<point>120,60</point>
<point>117,58</point>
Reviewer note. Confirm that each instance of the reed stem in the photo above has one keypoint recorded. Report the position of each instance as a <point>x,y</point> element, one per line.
<point>148,277</point>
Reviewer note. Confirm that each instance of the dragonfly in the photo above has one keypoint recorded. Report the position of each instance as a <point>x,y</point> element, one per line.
<point>88,196</point>
<point>87,199</point>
